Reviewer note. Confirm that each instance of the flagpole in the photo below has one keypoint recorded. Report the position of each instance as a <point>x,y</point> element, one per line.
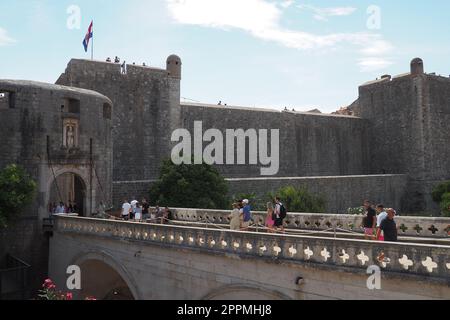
<point>92,47</point>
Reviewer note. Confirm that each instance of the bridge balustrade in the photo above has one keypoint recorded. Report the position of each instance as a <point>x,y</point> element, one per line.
<point>431,261</point>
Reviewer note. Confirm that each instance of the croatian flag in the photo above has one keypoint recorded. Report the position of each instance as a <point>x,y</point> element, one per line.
<point>88,36</point>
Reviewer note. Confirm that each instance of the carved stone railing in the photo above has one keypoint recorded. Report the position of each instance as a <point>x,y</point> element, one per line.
<point>408,226</point>
<point>413,259</point>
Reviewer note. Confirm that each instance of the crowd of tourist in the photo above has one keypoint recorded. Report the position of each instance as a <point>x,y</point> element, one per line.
<point>62,207</point>
<point>142,212</point>
<point>241,216</point>
<point>379,223</point>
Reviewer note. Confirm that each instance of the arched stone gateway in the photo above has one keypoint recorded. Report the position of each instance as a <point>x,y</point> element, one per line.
<point>69,188</point>
<point>104,279</point>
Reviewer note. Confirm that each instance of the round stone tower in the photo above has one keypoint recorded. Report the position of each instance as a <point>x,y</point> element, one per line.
<point>417,66</point>
<point>174,66</point>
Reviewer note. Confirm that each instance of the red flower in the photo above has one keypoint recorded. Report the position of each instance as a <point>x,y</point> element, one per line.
<point>69,296</point>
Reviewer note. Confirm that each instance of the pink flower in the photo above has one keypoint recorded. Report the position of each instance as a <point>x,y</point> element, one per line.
<point>69,296</point>
<point>48,283</point>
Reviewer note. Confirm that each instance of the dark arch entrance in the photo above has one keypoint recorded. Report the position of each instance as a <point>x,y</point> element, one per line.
<point>102,282</point>
<point>69,188</point>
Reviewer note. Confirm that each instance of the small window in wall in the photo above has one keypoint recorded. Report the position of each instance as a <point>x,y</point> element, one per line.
<point>4,100</point>
<point>71,106</point>
<point>7,100</point>
<point>107,111</point>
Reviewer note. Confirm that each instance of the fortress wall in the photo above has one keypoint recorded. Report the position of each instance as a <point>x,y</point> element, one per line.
<point>340,193</point>
<point>392,109</point>
<point>439,128</point>
<point>146,109</point>
<point>437,135</point>
<point>409,118</point>
<point>310,144</point>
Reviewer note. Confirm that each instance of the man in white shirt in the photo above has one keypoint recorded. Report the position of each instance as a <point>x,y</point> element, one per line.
<point>382,214</point>
<point>126,209</point>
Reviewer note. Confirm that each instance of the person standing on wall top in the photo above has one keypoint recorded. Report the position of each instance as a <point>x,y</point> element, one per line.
<point>369,221</point>
<point>126,210</point>
<point>279,215</point>
<point>382,214</point>
<point>247,211</point>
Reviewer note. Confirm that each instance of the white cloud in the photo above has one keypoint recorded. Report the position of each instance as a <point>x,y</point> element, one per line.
<point>323,14</point>
<point>261,19</point>
<point>4,38</point>
<point>372,64</point>
<point>287,3</point>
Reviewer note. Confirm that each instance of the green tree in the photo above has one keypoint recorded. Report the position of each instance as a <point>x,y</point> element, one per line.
<point>17,190</point>
<point>440,190</point>
<point>445,204</point>
<point>190,186</point>
<point>299,199</point>
<point>441,195</point>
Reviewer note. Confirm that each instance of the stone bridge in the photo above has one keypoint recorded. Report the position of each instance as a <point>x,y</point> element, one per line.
<point>126,260</point>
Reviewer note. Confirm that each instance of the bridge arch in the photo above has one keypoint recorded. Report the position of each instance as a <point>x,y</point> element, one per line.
<point>104,278</point>
<point>245,292</point>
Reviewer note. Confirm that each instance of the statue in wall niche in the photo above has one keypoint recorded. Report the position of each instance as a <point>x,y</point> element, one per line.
<point>70,136</point>
<point>70,133</point>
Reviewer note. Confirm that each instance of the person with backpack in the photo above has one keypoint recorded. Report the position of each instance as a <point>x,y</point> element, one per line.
<point>279,215</point>
<point>247,211</point>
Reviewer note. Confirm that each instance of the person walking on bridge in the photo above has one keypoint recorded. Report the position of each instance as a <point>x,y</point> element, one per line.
<point>235,218</point>
<point>247,211</point>
<point>369,221</point>
<point>126,210</point>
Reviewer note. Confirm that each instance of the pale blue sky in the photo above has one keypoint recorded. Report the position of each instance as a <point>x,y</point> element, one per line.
<point>256,53</point>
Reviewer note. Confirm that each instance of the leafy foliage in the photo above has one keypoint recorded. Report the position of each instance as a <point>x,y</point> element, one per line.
<point>17,190</point>
<point>445,204</point>
<point>355,211</point>
<point>440,190</point>
<point>299,199</point>
<point>190,186</point>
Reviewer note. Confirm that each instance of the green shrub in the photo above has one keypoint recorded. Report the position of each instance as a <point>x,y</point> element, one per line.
<point>445,204</point>
<point>440,190</point>
<point>355,211</point>
<point>190,186</point>
<point>17,190</point>
<point>299,199</point>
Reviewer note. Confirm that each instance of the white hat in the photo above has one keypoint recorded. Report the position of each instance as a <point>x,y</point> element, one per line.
<point>245,201</point>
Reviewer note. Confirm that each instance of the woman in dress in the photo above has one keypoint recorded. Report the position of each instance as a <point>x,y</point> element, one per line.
<point>269,218</point>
